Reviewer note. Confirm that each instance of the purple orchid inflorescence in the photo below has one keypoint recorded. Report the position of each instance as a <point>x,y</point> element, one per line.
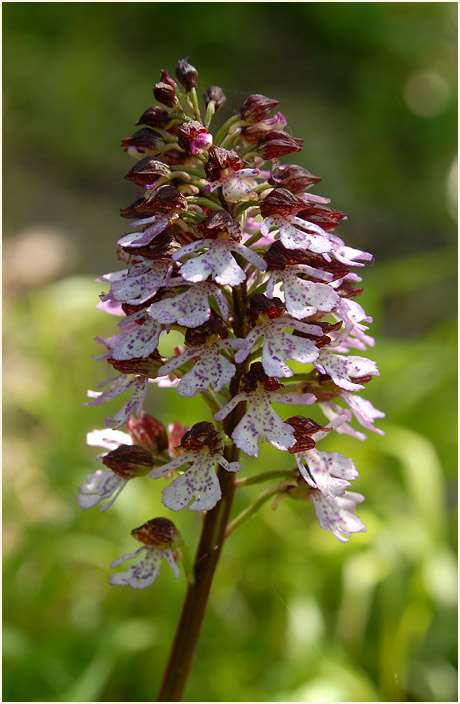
<point>229,248</point>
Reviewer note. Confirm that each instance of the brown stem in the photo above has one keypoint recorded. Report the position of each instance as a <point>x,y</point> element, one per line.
<point>210,547</point>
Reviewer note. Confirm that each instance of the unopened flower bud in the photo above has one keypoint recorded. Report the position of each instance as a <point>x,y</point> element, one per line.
<point>128,461</point>
<point>304,428</point>
<point>294,178</point>
<point>176,433</point>
<point>145,366</point>
<point>148,170</point>
<point>327,218</point>
<point>143,142</point>
<point>280,201</point>
<point>256,107</point>
<point>217,95</point>
<point>165,90</point>
<point>276,143</point>
<point>154,117</point>
<point>163,199</point>
<point>148,432</point>
<point>158,532</point>
<point>186,74</point>
<point>193,137</point>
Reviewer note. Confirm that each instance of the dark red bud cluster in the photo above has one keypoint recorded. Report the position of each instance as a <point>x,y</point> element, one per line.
<point>144,140</point>
<point>187,75</point>
<point>165,90</point>
<point>280,201</point>
<point>304,428</point>
<point>198,336</point>
<point>327,218</point>
<point>141,366</point>
<point>162,247</point>
<point>147,170</point>
<point>148,432</point>
<point>154,117</point>
<point>163,199</point>
<point>220,159</point>
<point>294,178</point>
<point>276,143</point>
<point>187,132</point>
<point>348,290</point>
<point>271,307</point>
<point>256,107</point>
<point>217,95</point>
<point>128,461</point>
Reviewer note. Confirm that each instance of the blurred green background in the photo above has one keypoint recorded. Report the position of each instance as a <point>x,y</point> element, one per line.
<point>294,615</point>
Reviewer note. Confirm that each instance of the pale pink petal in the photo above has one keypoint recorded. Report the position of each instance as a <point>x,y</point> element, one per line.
<point>334,514</point>
<point>138,343</point>
<point>143,573</point>
<point>100,485</point>
<point>330,472</point>
<point>341,369</point>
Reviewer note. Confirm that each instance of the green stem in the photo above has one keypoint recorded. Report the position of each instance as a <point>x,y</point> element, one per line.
<point>196,108</point>
<point>223,130</point>
<point>264,476</point>
<point>251,510</point>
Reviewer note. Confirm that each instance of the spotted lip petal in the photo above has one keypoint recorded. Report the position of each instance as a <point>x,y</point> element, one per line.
<point>335,514</point>
<point>190,308</point>
<point>341,369</point>
<point>198,488</point>
<point>100,485</point>
<point>143,573</point>
<point>330,472</point>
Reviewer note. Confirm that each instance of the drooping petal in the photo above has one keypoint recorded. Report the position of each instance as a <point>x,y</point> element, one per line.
<point>131,407</point>
<point>341,369</point>
<point>100,485</point>
<point>333,412</point>
<point>364,411</point>
<point>120,384</point>
<point>334,513</point>
<point>330,472</point>
<point>141,239</point>
<point>280,346</point>
<point>143,573</point>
